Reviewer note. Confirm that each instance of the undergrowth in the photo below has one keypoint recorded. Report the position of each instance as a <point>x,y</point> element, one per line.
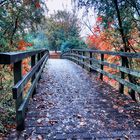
<point>7,104</point>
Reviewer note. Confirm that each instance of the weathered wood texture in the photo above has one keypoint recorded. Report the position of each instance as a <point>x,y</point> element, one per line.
<point>89,61</point>
<point>12,57</point>
<point>38,60</point>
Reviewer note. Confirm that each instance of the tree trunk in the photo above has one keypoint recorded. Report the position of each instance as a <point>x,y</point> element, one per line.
<point>125,48</point>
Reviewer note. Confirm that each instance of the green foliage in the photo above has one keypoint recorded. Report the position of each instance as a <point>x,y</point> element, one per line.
<point>73,44</point>
<point>122,15</point>
<point>17,18</point>
<point>60,27</point>
<point>38,39</point>
<point>7,104</point>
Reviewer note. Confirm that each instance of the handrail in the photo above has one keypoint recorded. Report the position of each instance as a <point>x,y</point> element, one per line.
<point>125,54</point>
<point>13,57</point>
<point>87,59</point>
<point>38,60</point>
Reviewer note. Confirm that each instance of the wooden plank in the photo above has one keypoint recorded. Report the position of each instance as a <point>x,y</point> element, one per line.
<point>13,57</point>
<point>125,54</point>
<point>33,62</point>
<point>122,81</point>
<point>122,74</point>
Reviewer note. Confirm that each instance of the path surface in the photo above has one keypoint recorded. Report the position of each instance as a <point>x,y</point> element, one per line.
<point>72,104</point>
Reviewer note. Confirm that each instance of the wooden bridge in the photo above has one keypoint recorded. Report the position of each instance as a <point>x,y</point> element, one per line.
<point>67,101</point>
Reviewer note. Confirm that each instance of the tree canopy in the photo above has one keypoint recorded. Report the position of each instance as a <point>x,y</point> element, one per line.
<point>18,18</point>
<point>61,27</point>
<point>122,15</point>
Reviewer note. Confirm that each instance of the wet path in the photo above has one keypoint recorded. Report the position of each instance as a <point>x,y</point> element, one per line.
<point>72,104</point>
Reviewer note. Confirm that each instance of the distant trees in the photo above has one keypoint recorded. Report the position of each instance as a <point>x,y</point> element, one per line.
<point>61,28</point>
<point>73,43</point>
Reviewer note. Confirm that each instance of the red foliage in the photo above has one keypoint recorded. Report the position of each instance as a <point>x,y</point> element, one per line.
<point>37,5</point>
<point>99,19</point>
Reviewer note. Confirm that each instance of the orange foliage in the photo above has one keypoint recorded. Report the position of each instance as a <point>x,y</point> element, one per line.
<point>22,46</point>
<point>101,40</point>
<point>135,39</point>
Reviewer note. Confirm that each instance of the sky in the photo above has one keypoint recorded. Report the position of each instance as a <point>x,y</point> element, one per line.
<point>54,5</point>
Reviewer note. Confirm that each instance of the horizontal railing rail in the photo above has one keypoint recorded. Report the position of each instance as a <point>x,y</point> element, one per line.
<point>38,60</point>
<point>87,58</point>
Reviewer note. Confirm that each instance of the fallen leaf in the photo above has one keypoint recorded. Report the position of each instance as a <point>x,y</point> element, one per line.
<point>40,120</point>
<point>39,137</point>
<point>115,106</point>
<point>52,122</point>
<point>126,137</point>
<point>120,109</point>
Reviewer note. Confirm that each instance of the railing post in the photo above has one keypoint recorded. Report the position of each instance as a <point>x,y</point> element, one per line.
<point>102,66</point>
<point>90,61</point>
<point>33,62</point>
<point>71,51</point>
<point>38,58</point>
<point>42,54</point>
<point>122,74</point>
<point>74,56</point>
<point>83,54</point>
<point>78,58</point>
<point>17,78</point>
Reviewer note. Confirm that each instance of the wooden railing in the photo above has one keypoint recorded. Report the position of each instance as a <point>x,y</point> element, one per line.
<point>88,59</point>
<point>38,60</point>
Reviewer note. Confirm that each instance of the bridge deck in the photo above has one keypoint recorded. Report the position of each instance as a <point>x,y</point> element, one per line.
<point>72,104</point>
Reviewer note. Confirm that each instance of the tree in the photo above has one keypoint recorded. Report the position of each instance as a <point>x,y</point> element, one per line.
<point>60,27</point>
<point>123,15</point>
<point>18,18</point>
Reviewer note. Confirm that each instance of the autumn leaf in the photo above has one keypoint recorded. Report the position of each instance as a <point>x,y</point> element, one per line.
<point>52,122</point>
<point>99,19</point>
<point>37,5</point>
